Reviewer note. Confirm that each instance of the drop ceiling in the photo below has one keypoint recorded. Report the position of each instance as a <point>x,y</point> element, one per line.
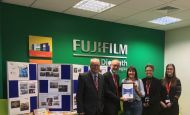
<point>130,12</point>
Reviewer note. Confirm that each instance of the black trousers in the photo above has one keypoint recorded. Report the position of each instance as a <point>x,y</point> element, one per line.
<point>174,110</point>
<point>152,110</point>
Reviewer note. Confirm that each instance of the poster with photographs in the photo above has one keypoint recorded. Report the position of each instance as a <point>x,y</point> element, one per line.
<point>76,70</point>
<point>74,101</point>
<point>49,71</point>
<point>18,71</point>
<point>103,69</point>
<point>50,100</point>
<point>19,106</point>
<point>28,88</point>
<point>60,87</point>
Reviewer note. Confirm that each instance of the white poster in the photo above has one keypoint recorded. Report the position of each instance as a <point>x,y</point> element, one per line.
<point>74,101</point>
<point>23,88</point>
<point>19,106</point>
<point>76,70</point>
<point>50,100</point>
<point>60,87</point>
<point>49,71</point>
<point>18,71</point>
<point>28,88</point>
<point>33,88</point>
<point>127,90</point>
<point>103,69</point>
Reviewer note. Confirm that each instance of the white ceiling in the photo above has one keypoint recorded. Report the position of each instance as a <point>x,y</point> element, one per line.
<point>131,12</point>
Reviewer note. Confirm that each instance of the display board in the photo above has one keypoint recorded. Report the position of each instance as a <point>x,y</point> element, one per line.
<point>22,87</point>
<point>58,84</point>
<point>55,87</point>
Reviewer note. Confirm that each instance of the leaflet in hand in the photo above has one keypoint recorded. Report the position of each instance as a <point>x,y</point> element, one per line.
<point>127,91</point>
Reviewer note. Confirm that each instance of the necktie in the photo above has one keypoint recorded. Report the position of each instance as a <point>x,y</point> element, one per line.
<point>96,82</point>
<point>115,83</point>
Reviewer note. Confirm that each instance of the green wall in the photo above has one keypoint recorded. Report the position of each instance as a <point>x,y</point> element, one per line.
<point>144,45</point>
<point>1,85</point>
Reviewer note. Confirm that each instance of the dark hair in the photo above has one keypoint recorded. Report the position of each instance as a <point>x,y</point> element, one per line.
<point>149,65</point>
<point>167,78</point>
<point>132,69</point>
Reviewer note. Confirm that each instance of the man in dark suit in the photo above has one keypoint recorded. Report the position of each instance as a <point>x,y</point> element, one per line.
<point>90,91</point>
<point>152,86</point>
<point>111,88</point>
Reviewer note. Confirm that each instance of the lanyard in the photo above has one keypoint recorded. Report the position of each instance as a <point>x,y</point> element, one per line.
<point>148,87</point>
<point>168,87</point>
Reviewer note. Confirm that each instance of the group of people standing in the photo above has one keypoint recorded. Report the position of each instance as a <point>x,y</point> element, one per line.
<point>101,94</point>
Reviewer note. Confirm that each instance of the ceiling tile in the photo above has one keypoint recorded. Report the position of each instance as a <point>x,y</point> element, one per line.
<point>19,2</point>
<point>183,3</point>
<point>185,14</point>
<point>115,13</point>
<point>166,0</point>
<point>141,4</point>
<point>146,24</point>
<point>54,5</point>
<point>115,1</point>
<point>78,12</point>
<point>140,17</point>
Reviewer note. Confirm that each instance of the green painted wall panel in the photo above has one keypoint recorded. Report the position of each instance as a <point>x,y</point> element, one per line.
<point>144,45</point>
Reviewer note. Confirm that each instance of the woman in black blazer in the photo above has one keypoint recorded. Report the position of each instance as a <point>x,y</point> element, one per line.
<point>152,85</point>
<point>170,92</point>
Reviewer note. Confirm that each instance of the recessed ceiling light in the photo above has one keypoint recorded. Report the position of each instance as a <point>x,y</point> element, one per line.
<point>165,20</point>
<point>93,5</point>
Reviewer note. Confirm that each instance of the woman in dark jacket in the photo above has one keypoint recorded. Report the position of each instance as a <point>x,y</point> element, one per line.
<point>170,92</point>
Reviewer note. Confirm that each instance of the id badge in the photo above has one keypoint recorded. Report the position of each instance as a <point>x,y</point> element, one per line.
<point>147,99</point>
<point>167,101</point>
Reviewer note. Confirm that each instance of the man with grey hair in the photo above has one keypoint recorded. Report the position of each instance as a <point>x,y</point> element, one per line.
<point>111,88</point>
<point>90,91</point>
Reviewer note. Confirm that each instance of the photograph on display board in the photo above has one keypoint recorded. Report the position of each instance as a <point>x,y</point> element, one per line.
<point>74,101</point>
<point>33,88</point>
<point>60,87</point>
<point>28,88</point>
<point>18,71</point>
<point>40,46</point>
<point>23,88</point>
<point>76,70</point>
<point>63,88</point>
<point>49,71</point>
<point>49,100</point>
<point>15,104</point>
<point>19,106</point>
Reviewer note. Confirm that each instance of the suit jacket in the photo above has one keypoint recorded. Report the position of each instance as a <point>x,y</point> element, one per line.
<point>111,100</point>
<point>89,99</point>
<point>154,95</point>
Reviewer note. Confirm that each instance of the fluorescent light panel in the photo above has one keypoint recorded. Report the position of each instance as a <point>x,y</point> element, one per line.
<point>93,5</point>
<point>165,20</point>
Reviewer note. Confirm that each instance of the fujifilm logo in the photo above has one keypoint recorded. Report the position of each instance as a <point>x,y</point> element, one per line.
<point>88,48</point>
